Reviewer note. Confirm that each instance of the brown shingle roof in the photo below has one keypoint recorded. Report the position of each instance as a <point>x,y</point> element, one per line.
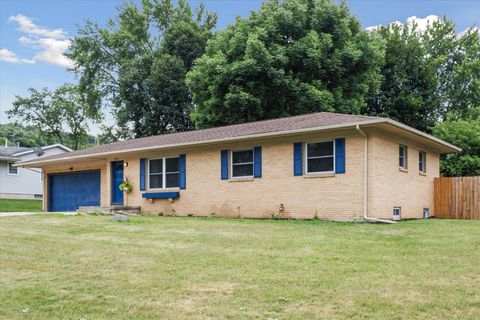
<point>233,131</point>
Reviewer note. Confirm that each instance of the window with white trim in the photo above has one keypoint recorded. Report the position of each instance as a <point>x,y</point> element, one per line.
<point>242,163</point>
<point>403,156</point>
<point>164,173</point>
<point>320,157</point>
<point>422,161</point>
<point>397,211</point>
<point>12,170</point>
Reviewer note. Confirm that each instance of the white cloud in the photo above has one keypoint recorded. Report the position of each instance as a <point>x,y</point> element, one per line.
<point>422,23</point>
<point>10,56</point>
<point>378,26</point>
<point>473,29</point>
<point>26,25</point>
<point>53,52</point>
<point>49,44</point>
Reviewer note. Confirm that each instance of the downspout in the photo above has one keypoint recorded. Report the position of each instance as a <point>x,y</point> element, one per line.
<point>365,180</point>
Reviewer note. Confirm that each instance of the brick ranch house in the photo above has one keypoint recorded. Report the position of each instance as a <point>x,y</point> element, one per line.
<point>324,165</point>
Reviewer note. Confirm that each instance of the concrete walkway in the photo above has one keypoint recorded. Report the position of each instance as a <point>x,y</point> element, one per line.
<point>16,214</point>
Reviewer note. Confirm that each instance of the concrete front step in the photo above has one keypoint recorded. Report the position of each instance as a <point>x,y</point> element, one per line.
<point>127,210</point>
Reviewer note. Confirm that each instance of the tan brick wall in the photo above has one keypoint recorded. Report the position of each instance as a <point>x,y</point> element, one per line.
<point>390,187</point>
<point>337,196</point>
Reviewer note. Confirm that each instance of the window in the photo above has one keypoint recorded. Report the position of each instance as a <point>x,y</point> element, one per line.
<point>426,213</point>
<point>164,173</point>
<point>396,212</point>
<point>11,169</point>
<point>242,163</point>
<point>403,156</point>
<point>320,157</point>
<point>422,161</point>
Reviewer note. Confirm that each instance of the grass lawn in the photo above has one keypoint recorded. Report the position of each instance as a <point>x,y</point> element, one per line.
<point>88,267</point>
<point>16,205</point>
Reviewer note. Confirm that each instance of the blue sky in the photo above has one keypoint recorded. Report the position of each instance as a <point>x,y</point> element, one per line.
<point>34,33</point>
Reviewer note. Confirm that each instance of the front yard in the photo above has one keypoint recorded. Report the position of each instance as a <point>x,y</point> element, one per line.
<point>18,205</point>
<point>56,267</point>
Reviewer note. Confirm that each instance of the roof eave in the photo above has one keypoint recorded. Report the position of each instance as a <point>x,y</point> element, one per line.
<point>452,148</point>
<point>250,137</point>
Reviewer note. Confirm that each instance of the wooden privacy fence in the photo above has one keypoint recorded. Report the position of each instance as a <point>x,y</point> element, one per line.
<point>457,198</point>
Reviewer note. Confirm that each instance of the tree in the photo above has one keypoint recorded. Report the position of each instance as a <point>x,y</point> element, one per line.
<point>466,135</point>
<point>138,63</point>
<point>429,76</point>
<point>407,93</point>
<point>456,60</point>
<point>25,136</point>
<point>293,57</point>
<point>62,115</point>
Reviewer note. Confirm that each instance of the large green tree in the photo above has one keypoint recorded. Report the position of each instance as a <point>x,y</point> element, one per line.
<point>428,76</point>
<point>456,61</point>
<point>464,133</point>
<point>290,57</point>
<point>407,92</point>
<point>62,115</point>
<point>24,136</point>
<point>137,64</point>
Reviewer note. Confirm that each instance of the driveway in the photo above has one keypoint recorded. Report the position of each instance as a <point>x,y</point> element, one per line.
<point>16,214</point>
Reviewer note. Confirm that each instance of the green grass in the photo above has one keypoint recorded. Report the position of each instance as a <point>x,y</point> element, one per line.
<point>56,267</point>
<point>16,205</point>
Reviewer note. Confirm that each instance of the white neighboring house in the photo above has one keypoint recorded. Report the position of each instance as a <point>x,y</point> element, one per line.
<point>23,183</point>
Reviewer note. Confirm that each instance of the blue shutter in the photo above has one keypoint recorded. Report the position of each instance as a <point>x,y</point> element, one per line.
<point>183,171</point>
<point>224,164</point>
<point>142,174</point>
<point>257,162</point>
<point>298,158</point>
<point>340,155</point>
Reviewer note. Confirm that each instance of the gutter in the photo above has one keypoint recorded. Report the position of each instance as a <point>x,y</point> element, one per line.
<point>365,181</point>
<point>290,132</point>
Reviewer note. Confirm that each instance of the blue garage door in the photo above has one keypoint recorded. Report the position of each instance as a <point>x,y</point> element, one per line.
<point>71,190</point>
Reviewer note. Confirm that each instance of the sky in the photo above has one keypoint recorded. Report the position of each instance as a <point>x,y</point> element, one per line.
<point>35,33</point>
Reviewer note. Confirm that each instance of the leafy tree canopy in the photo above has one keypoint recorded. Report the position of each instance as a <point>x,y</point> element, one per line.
<point>138,62</point>
<point>25,136</point>
<point>464,133</point>
<point>429,76</point>
<point>293,57</point>
<point>62,115</point>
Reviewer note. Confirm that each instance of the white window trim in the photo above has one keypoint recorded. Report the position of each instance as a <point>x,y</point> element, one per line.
<point>305,151</point>
<point>424,162</point>
<point>8,169</point>
<point>243,163</point>
<point>405,156</point>
<point>399,211</point>
<point>164,174</point>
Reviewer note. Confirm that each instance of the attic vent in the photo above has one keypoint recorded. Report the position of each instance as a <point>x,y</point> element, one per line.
<point>38,151</point>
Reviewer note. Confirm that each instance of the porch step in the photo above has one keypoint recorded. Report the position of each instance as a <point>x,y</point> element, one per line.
<point>127,210</point>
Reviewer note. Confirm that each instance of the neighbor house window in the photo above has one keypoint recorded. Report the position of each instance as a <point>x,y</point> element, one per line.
<point>422,161</point>
<point>320,157</point>
<point>11,169</point>
<point>403,156</point>
<point>242,163</point>
<point>163,173</point>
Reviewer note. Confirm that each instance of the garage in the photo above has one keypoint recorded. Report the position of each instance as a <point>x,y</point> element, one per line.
<point>68,191</point>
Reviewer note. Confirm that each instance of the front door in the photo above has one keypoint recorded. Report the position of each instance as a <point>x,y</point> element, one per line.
<point>117,180</point>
